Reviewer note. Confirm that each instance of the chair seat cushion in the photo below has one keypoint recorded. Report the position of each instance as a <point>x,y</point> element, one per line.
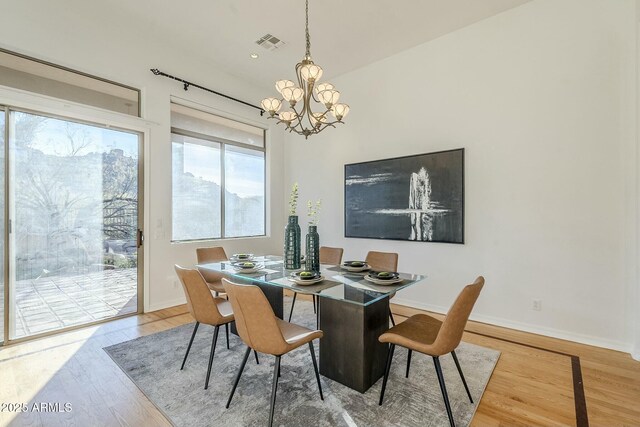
<point>296,335</point>
<point>225,309</point>
<point>416,333</point>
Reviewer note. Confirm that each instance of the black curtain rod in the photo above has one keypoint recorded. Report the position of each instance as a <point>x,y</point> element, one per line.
<point>186,85</point>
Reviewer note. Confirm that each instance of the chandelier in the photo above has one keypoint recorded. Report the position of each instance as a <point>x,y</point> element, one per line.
<point>303,120</point>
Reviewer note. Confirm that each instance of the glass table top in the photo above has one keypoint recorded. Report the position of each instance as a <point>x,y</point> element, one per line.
<point>338,284</point>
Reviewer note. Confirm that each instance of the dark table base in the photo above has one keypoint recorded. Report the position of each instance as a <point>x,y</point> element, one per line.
<point>350,352</point>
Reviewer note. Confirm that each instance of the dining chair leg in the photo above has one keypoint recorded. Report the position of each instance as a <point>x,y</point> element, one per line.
<point>314,304</point>
<point>213,350</point>
<point>255,353</point>
<point>443,388</point>
<point>295,294</point>
<point>274,388</point>
<point>408,363</point>
<point>392,347</point>
<point>315,368</point>
<point>226,330</point>
<point>455,359</point>
<point>193,335</point>
<point>393,321</point>
<point>237,380</point>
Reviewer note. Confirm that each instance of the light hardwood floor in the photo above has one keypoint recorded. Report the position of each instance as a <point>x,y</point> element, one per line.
<point>533,383</point>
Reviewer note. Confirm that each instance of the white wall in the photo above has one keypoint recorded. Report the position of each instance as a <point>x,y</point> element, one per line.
<point>542,98</point>
<point>97,39</point>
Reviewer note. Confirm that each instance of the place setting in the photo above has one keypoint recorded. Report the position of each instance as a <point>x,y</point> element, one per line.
<point>305,277</point>
<point>355,266</point>
<point>246,263</point>
<point>384,278</point>
<point>242,257</point>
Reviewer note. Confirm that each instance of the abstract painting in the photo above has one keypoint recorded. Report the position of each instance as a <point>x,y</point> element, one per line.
<point>419,198</point>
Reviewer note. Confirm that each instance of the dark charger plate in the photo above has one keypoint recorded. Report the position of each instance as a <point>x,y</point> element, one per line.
<point>376,275</point>
<point>354,264</point>
<point>316,274</point>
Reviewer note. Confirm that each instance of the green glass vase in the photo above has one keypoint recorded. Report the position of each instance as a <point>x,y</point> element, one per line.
<point>313,249</point>
<point>292,244</point>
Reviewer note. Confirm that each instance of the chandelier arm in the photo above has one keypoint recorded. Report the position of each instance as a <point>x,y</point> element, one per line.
<point>309,112</point>
<point>297,117</point>
<point>332,124</point>
<point>299,75</point>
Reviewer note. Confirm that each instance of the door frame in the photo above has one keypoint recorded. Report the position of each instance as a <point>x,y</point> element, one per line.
<point>23,101</point>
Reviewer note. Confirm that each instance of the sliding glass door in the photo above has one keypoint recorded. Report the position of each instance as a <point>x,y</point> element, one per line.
<point>74,220</point>
<point>4,112</point>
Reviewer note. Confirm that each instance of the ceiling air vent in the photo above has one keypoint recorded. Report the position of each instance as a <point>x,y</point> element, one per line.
<point>270,42</point>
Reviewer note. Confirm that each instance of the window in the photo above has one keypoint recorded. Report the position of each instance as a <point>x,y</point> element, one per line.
<point>218,177</point>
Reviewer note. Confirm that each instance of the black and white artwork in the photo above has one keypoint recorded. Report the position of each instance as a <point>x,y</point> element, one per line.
<point>418,198</point>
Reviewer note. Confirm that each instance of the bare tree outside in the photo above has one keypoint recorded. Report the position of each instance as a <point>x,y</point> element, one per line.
<point>76,202</point>
<point>75,219</point>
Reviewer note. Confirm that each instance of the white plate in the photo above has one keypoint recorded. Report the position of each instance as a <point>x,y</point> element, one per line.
<point>356,269</point>
<point>305,282</point>
<point>253,269</point>
<point>383,282</point>
<point>236,259</point>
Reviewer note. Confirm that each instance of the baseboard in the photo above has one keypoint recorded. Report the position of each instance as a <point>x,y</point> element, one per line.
<point>166,304</point>
<point>525,327</point>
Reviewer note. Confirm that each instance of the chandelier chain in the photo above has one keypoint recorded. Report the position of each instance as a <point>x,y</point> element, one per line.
<point>308,53</point>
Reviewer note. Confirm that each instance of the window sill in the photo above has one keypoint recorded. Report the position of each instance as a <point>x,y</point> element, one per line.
<point>219,240</point>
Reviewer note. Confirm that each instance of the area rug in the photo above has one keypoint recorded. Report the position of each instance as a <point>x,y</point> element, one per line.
<point>153,364</point>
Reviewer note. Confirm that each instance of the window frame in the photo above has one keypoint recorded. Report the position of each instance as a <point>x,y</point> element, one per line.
<point>72,71</point>
<point>223,142</point>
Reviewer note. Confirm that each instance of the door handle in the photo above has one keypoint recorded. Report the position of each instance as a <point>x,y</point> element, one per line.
<point>140,238</point>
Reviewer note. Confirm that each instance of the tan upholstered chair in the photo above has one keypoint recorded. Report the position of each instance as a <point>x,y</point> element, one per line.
<point>435,338</point>
<point>262,331</point>
<point>329,256</point>
<point>384,261</point>
<point>213,254</point>
<point>205,308</point>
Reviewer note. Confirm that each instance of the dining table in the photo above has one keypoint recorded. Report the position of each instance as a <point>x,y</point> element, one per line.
<point>352,313</point>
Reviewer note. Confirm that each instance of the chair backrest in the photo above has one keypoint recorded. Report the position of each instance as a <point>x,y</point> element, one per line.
<point>331,256</point>
<point>255,320</point>
<point>202,304</point>
<point>454,323</point>
<point>213,254</point>
<point>382,261</point>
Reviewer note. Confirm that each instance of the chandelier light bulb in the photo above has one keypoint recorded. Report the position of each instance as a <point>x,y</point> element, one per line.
<point>271,105</point>
<point>323,86</point>
<point>317,119</point>
<point>288,117</point>
<point>311,72</point>
<point>340,111</point>
<point>281,84</point>
<point>329,97</point>
<point>292,94</point>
